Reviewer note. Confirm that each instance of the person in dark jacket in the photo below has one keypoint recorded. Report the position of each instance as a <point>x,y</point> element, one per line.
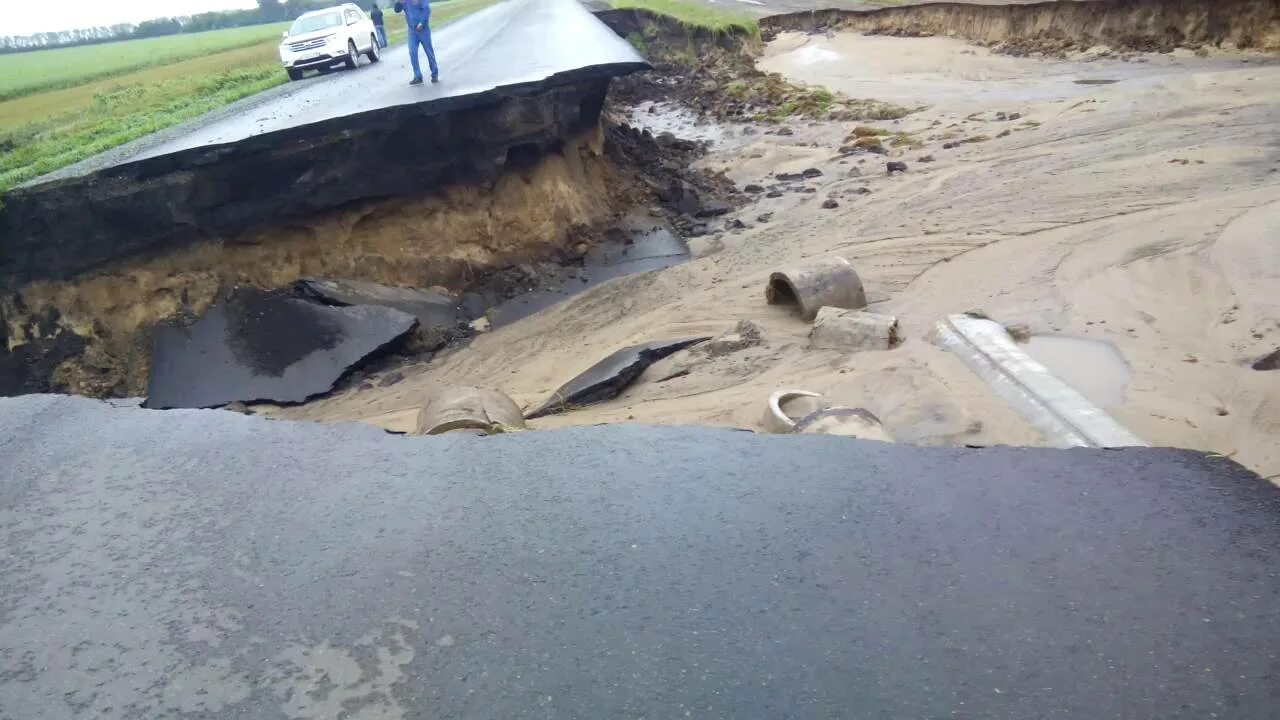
<point>375,14</point>
<point>417,13</point>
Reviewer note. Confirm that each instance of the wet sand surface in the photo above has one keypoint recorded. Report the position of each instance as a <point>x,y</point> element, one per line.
<point>1140,213</point>
<point>956,74</point>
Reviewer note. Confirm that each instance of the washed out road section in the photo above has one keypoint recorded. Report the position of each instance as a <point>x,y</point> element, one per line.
<point>209,563</point>
<point>530,74</point>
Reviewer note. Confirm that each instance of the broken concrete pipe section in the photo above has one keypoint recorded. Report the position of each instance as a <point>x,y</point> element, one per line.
<point>857,423</point>
<point>608,378</point>
<point>479,410</point>
<point>786,407</point>
<point>853,330</point>
<point>831,282</point>
<point>266,346</point>
<point>801,412</point>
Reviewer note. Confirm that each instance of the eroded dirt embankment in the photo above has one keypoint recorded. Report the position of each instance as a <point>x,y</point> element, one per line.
<point>534,210</point>
<point>538,216</point>
<point>532,179</point>
<point>92,334</point>
<point>1138,25</point>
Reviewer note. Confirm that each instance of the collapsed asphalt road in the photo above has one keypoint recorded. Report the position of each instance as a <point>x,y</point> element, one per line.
<point>208,563</point>
<point>266,346</point>
<point>514,42</point>
<point>525,75</point>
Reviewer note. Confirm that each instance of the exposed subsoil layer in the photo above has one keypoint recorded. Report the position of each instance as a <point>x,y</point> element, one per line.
<point>92,334</point>
<point>443,238</point>
<point>1138,213</point>
<point>1141,25</point>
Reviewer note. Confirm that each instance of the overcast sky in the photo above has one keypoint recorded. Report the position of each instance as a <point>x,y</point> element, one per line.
<point>25,18</point>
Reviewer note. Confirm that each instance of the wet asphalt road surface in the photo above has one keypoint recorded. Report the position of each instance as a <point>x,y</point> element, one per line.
<point>517,41</point>
<point>158,564</point>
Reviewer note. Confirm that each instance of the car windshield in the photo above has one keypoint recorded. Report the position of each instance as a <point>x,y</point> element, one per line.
<point>313,23</point>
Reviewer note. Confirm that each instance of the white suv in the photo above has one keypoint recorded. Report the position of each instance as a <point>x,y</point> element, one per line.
<point>323,38</point>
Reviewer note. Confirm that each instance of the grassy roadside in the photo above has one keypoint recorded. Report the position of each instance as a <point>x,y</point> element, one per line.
<point>45,131</point>
<point>694,14</point>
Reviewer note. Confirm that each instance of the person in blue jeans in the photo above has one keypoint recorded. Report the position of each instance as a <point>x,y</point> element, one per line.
<point>375,14</point>
<point>417,13</point>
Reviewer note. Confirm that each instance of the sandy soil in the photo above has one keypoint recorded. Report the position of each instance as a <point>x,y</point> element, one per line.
<point>773,7</point>
<point>1142,215</point>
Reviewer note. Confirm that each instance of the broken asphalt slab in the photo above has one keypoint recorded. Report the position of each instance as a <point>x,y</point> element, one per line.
<point>433,309</point>
<point>203,559</point>
<point>259,346</point>
<point>524,73</point>
<point>609,377</point>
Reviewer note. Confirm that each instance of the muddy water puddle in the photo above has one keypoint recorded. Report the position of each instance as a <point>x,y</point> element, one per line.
<point>665,117</point>
<point>639,243</point>
<point>1094,368</point>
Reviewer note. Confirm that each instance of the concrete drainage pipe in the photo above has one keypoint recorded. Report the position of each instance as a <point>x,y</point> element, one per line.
<point>786,407</point>
<point>476,409</point>
<point>831,282</point>
<point>847,422</point>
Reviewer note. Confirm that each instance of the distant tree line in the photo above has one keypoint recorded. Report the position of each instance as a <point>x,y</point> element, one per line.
<point>268,11</point>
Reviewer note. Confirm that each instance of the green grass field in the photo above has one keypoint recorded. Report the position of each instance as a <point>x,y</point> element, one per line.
<point>32,72</point>
<point>81,115</point>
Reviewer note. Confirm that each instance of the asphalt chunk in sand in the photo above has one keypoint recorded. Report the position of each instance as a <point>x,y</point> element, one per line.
<point>1268,362</point>
<point>263,346</point>
<point>433,309</point>
<point>609,377</point>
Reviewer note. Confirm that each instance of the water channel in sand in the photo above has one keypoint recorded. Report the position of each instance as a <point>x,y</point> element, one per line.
<point>639,243</point>
<point>1094,368</point>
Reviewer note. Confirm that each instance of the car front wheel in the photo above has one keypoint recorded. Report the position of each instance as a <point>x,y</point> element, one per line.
<point>353,57</point>
<point>294,73</point>
<point>374,53</point>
